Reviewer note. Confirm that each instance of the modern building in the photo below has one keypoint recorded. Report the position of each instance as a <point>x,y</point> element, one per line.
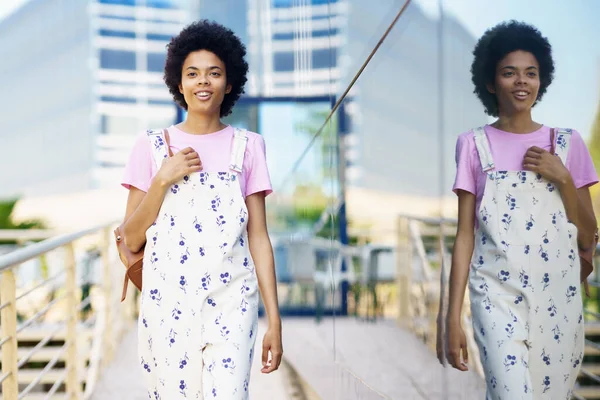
<point>102,80</point>
<point>46,101</point>
<point>80,79</point>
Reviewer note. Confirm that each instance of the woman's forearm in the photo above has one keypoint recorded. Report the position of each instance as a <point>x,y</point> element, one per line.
<point>262,254</point>
<point>134,229</point>
<point>459,274</point>
<point>587,220</point>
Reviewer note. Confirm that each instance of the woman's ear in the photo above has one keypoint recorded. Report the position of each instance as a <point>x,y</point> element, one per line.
<point>228,89</point>
<point>180,89</point>
<point>490,88</point>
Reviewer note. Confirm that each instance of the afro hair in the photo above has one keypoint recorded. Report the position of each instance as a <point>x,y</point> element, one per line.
<point>213,37</point>
<point>495,44</point>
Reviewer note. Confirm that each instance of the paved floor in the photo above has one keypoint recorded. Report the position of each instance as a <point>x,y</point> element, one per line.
<point>371,361</point>
<point>122,380</point>
<point>366,361</point>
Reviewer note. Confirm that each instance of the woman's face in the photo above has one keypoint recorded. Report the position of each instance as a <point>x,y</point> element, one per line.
<point>203,82</point>
<point>517,82</point>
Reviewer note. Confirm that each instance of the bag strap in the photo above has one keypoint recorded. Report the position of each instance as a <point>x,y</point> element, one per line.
<point>125,286</point>
<point>168,142</point>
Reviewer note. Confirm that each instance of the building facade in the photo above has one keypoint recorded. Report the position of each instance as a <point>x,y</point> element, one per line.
<point>103,68</point>
<point>80,79</point>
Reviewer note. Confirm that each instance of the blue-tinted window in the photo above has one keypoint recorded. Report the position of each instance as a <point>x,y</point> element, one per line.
<point>159,36</point>
<point>156,62</point>
<point>147,3</point>
<point>283,61</point>
<point>161,102</point>
<point>116,99</point>
<point>324,58</point>
<point>120,2</point>
<point>325,32</point>
<point>292,3</point>
<point>284,36</point>
<point>117,59</point>
<point>119,17</point>
<point>160,3</point>
<point>121,34</point>
<point>316,34</point>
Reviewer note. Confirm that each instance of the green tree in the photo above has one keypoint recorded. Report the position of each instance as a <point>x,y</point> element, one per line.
<point>6,219</point>
<point>594,146</point>
<point>327,139</point>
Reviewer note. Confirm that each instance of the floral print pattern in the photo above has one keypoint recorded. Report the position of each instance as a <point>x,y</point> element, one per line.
<point>199,305</point>
<point>524,285</point>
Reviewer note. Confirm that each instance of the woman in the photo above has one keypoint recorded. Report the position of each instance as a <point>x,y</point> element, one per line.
<point>197,203</point>
<point>524,208</point>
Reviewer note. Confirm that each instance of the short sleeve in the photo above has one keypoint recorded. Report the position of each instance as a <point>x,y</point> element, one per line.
<point>580,164</point>
<point>465,175</point>
<point>138,171</point>
<point>258,178</point>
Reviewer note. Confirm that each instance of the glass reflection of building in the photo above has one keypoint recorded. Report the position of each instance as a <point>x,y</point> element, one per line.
<point>310,50</point>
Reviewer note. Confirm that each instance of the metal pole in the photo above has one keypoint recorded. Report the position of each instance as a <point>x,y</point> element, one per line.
<point>442,183</point>
<point>342,220</point>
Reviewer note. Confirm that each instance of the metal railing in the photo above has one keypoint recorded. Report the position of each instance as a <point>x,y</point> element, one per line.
<point>97,315</point>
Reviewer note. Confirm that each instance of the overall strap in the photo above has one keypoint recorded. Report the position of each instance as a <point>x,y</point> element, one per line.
<point>562,141</point>
<point>240,139</point>
<point>158,145</point>
<point>483,148</point>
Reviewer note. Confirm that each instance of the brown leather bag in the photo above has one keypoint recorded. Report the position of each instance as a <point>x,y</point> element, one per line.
<point>133,262</point>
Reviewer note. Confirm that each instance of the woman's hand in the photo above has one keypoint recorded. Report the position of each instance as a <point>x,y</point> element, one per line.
<point>549,165</point>
<point>271,344</point>
<point>175,167</point>
<point>457,353</point>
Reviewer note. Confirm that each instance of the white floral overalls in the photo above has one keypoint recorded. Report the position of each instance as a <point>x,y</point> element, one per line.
<point>524,284</point>
<point>199,306</point>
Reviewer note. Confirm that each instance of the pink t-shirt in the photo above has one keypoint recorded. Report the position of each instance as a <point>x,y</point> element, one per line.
<point>214,150</point>
<point>508,150</point>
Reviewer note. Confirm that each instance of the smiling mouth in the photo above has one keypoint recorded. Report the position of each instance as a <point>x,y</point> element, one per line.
<point>203,95</point>
<point>521,94</point>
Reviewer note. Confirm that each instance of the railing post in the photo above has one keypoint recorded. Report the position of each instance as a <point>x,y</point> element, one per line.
<point>8,327</point>
<point>73,378</point>
<point>107,296</point>
<point>404,273</point>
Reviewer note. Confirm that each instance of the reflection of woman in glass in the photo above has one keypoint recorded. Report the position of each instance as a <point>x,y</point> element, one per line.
<point>523,188</point>
<point>197,204</point>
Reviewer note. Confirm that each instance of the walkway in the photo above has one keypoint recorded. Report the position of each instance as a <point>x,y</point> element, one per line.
<point>371,361</point>
<point>122,379</point>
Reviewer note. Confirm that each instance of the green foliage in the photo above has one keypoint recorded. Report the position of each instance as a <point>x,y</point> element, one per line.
<point>6,221</point>
<point>594,143</point>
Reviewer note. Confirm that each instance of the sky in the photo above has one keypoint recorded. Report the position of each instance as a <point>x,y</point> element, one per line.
<point>573,30</point>
<point>8,6</point>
